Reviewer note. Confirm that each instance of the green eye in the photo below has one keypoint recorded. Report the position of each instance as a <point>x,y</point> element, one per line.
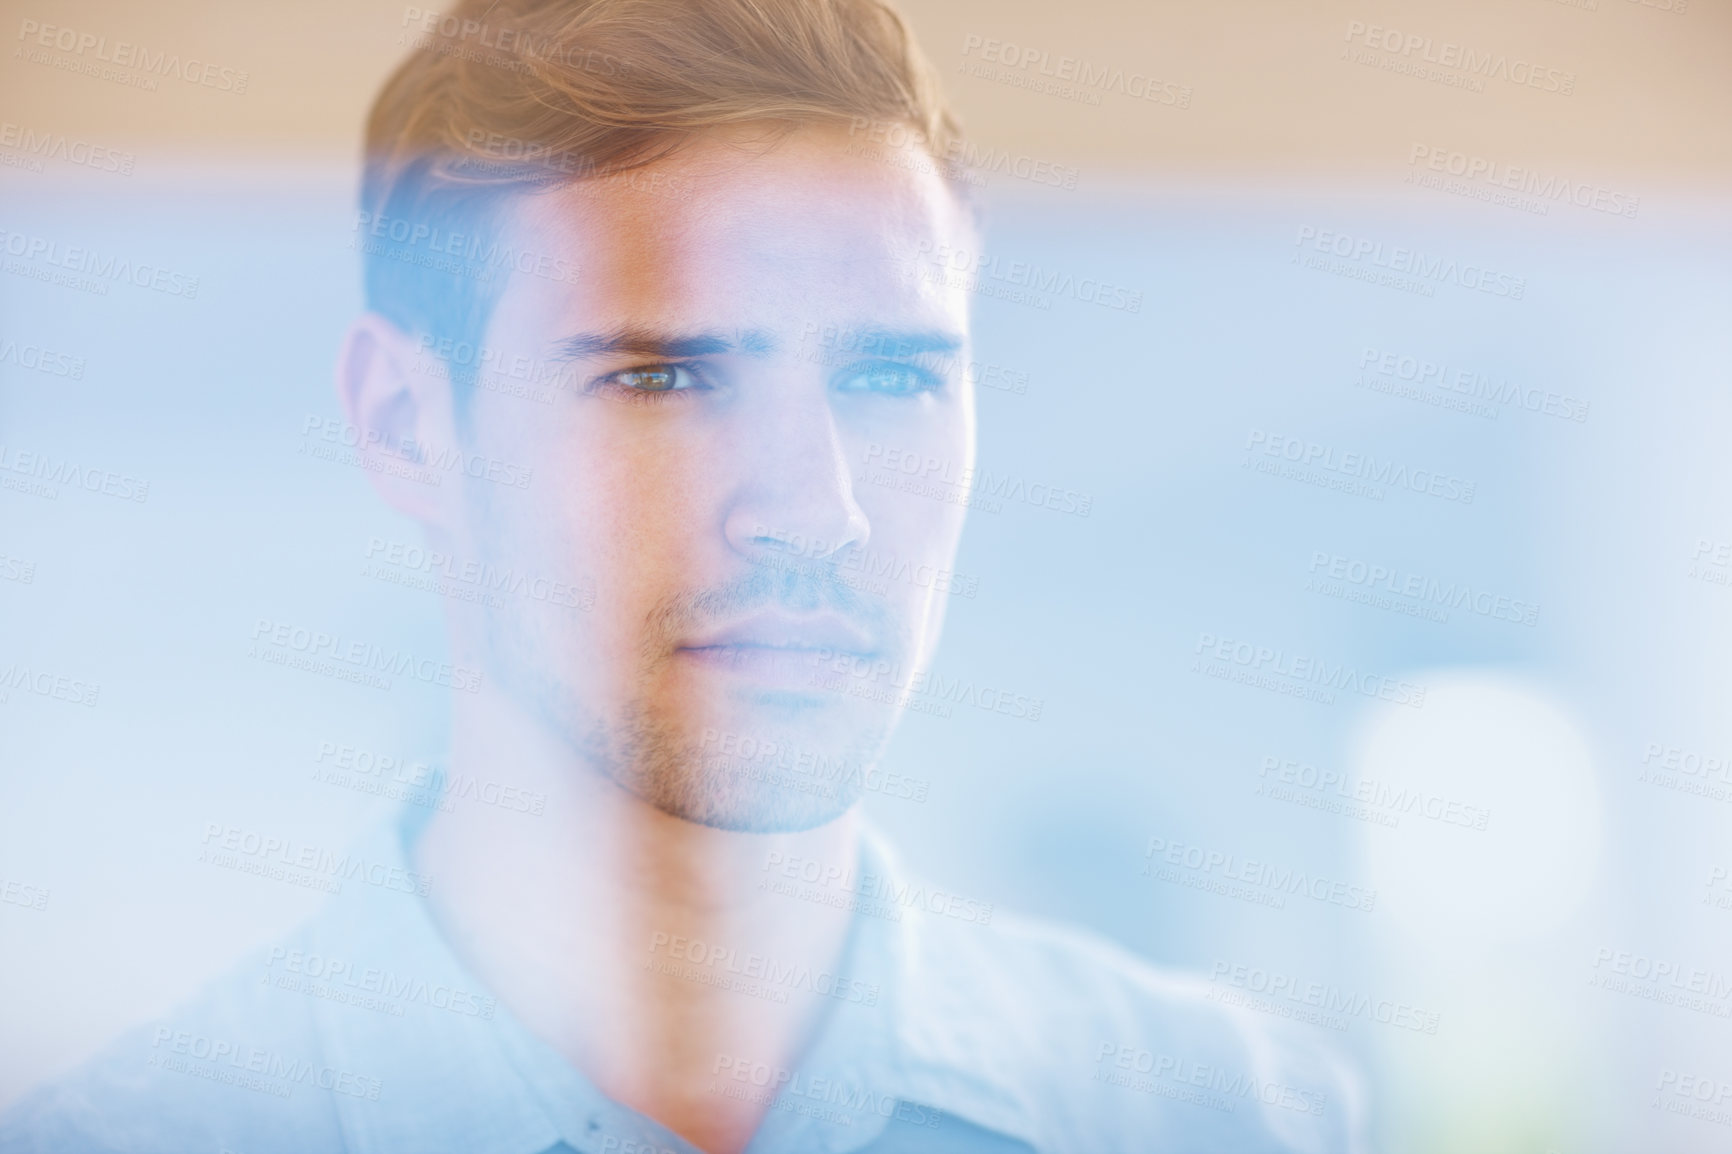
<point>888,380</point>
<point>655,379</point>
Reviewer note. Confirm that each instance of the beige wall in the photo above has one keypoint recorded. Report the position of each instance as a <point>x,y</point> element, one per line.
<point>1271,95</point>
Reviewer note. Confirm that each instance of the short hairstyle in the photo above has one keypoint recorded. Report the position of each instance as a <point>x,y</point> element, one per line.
<point>508,97</point>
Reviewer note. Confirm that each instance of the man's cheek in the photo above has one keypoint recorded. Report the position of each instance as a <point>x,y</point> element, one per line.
<point>909,557</point>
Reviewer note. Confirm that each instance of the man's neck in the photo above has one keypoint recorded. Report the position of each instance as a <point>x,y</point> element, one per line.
<point>583,920</point>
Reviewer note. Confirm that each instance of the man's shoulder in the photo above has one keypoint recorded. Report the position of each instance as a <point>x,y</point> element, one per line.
<point>238,1068</point>
<point>1111,1052</point>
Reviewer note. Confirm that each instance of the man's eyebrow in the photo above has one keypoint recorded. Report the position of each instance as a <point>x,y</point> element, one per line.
<point>650,342</point>
<point>899,342</point>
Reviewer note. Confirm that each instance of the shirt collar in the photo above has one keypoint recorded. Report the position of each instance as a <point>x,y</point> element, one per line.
<point>444,1082</point>
<point>455,1071</point>
<point>947,1033</point>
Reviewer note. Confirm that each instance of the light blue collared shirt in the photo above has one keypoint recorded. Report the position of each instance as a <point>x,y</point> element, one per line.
<point>950,1031</point>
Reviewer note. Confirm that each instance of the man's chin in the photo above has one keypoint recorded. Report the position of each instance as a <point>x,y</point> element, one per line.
<point>764,816</point>
<point>755,767</point>
<point>750,799</point>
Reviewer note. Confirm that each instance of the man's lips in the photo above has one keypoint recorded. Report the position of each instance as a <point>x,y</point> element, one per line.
<point>776,648</point>
<point>780,656</point>
<point>771,633</point>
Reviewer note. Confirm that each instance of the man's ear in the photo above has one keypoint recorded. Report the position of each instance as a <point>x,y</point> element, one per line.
<point>398,399</point>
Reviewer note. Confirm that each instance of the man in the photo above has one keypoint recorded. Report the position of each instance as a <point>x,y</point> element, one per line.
<point>713,235</point>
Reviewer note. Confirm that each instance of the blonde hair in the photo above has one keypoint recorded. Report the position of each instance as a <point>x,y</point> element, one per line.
<point>506,97</point>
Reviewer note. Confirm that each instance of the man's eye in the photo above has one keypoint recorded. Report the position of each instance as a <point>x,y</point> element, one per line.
<point>890,380</point>
<point>654,379</point>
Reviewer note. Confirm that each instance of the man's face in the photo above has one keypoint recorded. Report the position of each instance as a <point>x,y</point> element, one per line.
<point>753,350</point>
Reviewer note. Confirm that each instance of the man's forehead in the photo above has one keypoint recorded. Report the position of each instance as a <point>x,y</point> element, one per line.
<point>808,198</point>
<point>758,250</point>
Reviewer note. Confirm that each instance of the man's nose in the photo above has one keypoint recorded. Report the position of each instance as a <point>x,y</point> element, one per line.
<point>795,492</point>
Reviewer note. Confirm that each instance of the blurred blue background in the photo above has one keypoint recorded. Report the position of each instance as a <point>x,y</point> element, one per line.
<point>1495,935</point>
